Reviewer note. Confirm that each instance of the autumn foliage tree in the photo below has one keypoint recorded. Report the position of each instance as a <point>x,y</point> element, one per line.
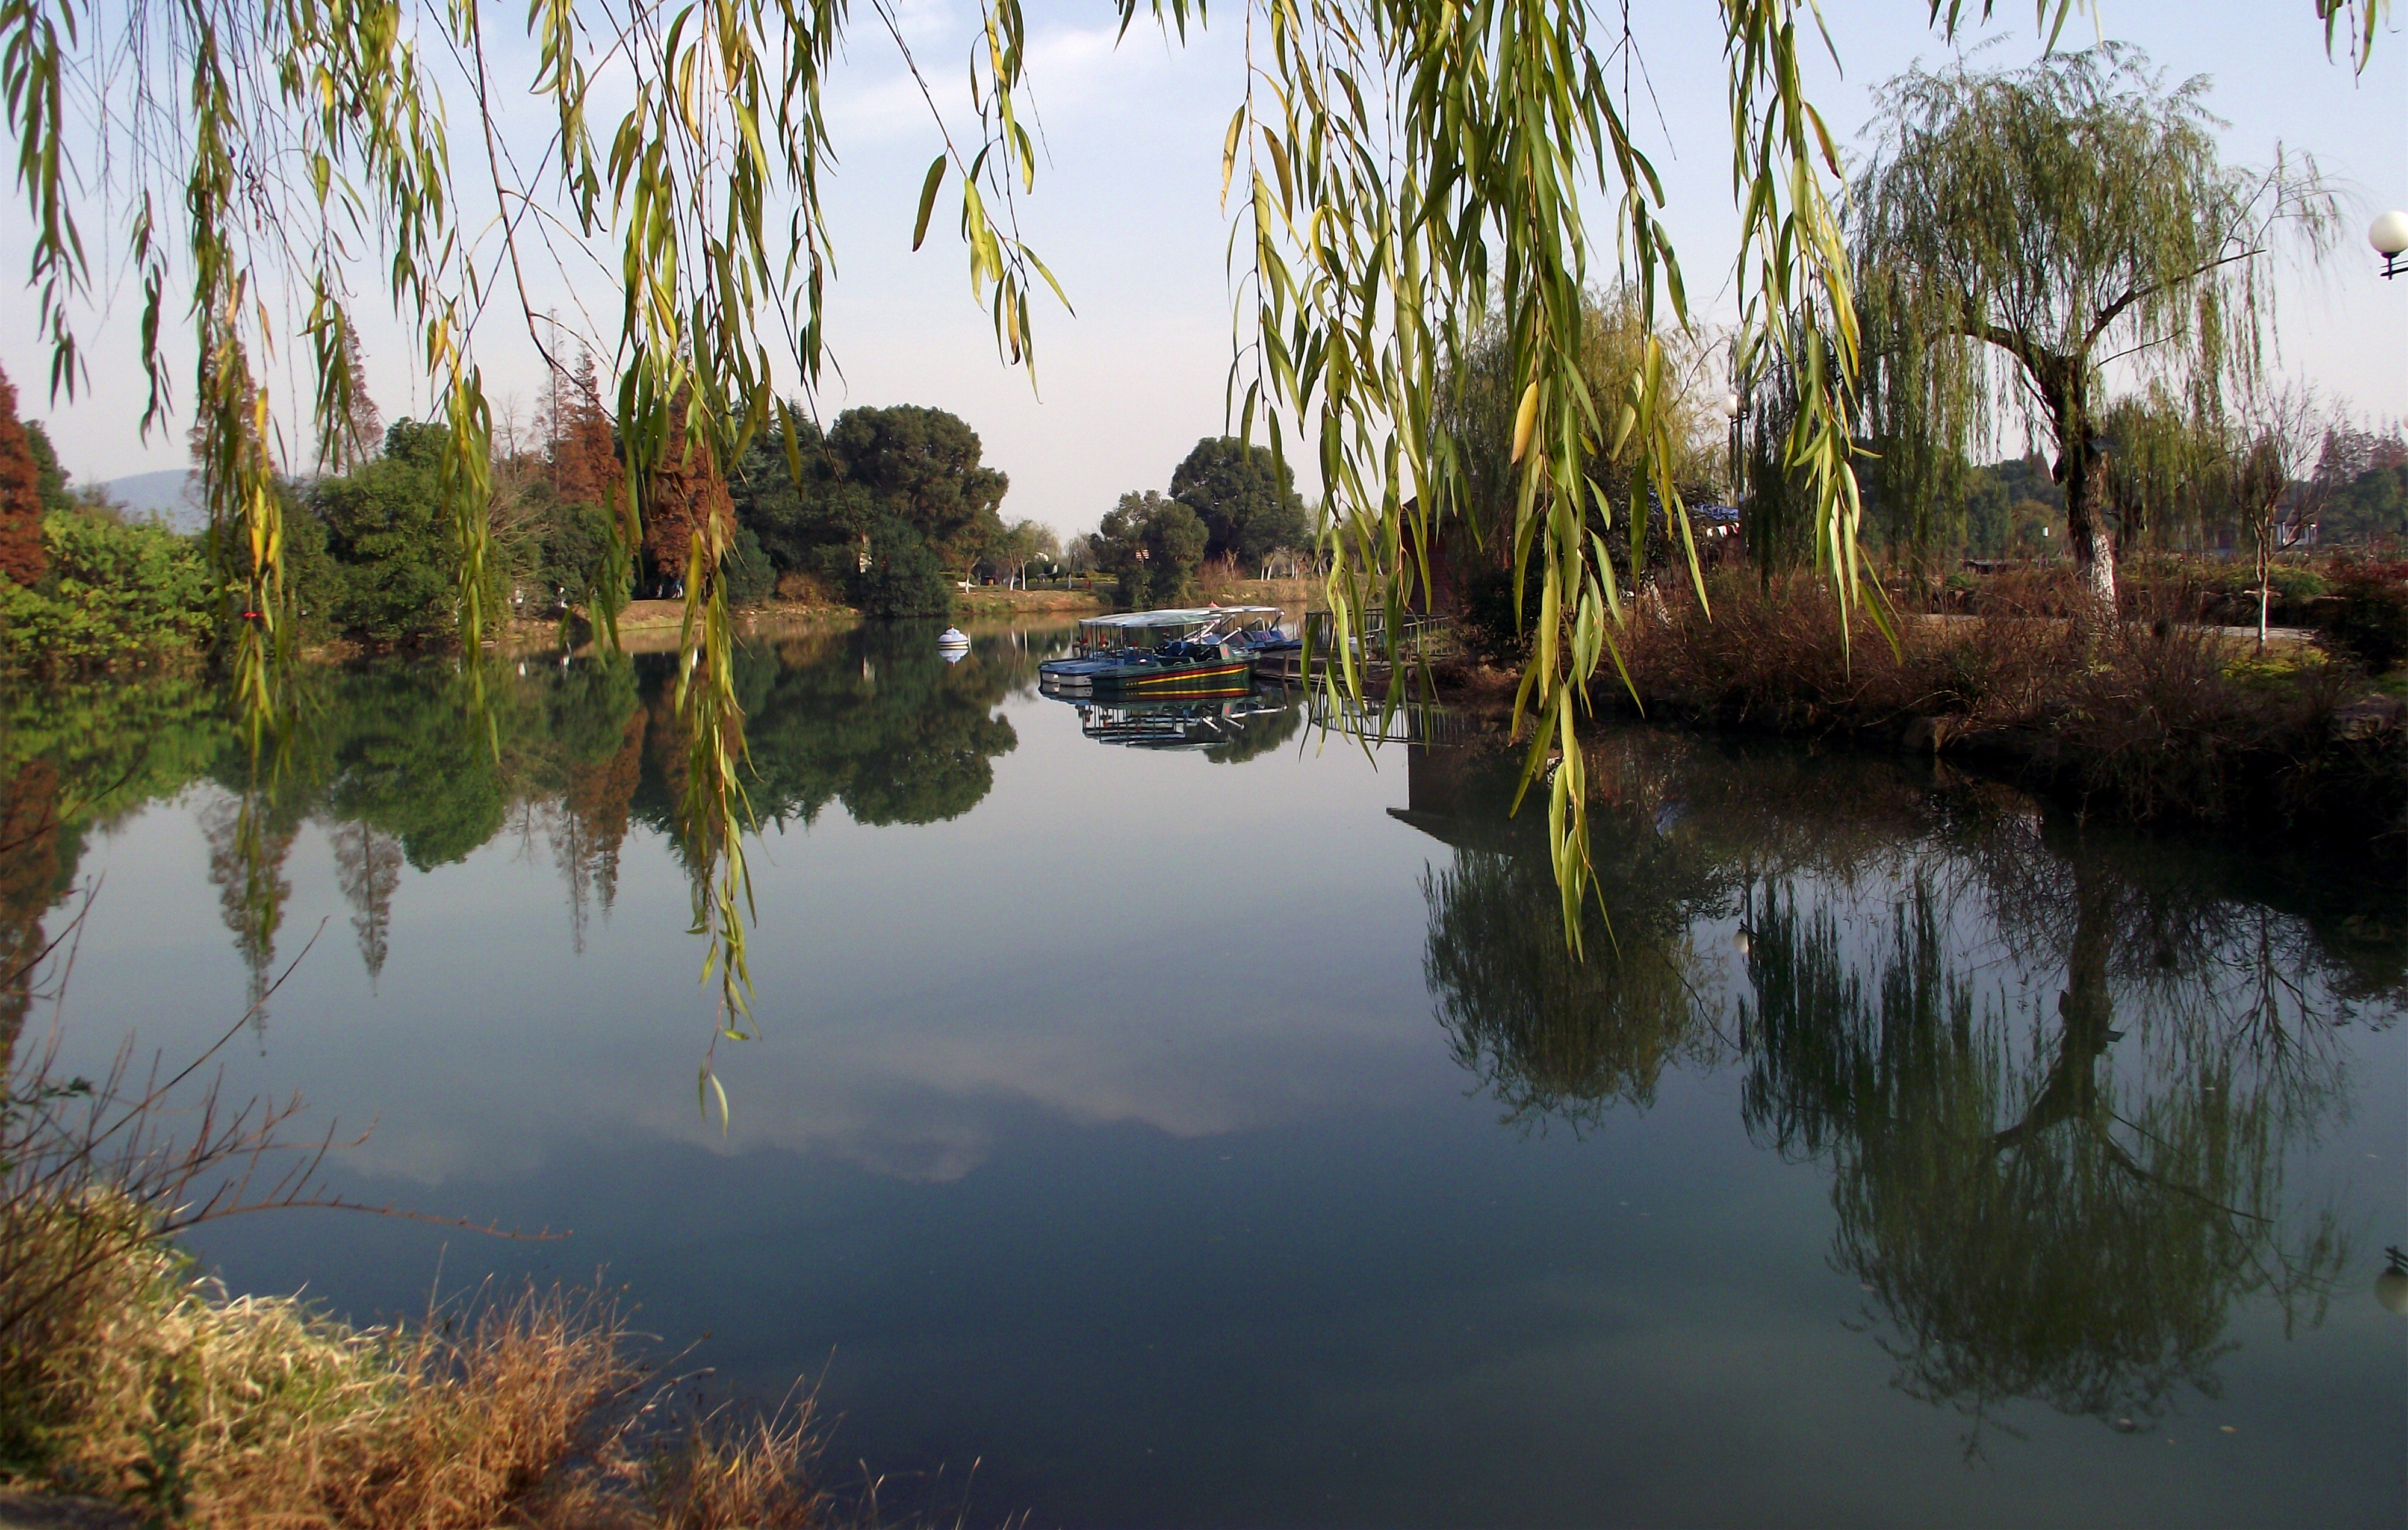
<point>585,467</point>
<point>686,499</point>
<point>21,496</point>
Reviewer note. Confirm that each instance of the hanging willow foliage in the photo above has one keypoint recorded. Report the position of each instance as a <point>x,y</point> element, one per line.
<point>1400,168</point>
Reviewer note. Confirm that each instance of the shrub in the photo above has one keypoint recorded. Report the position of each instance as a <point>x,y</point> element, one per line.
<point>2294,584</point>
<point>2370,625</point>
<point>114,593</point>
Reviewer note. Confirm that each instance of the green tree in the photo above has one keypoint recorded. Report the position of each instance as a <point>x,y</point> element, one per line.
<point>2160,463</point>
<point>52,483</point>
<point>1022,543</point>
<point>2020,227</point>
<point>110,592</point>
<point>920,466</point>
<point>1154,546</point>
<point>395,570</point>
<point>903,579</point>
<point>1245,496</point>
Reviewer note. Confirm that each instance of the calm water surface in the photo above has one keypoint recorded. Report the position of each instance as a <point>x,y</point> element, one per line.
<point>1220,1135</point>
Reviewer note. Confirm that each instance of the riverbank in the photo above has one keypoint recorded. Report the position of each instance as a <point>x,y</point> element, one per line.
<point>2153,722</point>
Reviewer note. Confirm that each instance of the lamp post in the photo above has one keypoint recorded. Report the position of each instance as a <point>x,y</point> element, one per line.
<point>1735,410</point>
<point>2389,237</point>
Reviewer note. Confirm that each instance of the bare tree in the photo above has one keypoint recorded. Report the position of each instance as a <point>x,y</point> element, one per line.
<point>2270,460</point>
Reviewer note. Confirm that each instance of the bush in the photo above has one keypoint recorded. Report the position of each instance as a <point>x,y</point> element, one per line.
<point>2294,584</point>
<point>1488,623</point>
<point>114,593</point>
<point>904,578</point>
<point>2372,623</point>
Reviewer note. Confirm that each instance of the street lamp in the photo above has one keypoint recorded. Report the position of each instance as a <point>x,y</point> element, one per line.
<point>2389,237</point>
<point>1735,410</point>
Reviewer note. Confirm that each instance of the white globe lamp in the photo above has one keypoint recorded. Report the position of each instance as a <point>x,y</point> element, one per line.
<point>2389,237</point>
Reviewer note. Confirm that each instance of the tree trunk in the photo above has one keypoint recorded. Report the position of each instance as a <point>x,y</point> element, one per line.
<point>2265,576</point>
<point>2083,471</point>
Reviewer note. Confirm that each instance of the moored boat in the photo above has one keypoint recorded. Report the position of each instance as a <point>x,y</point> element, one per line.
<point>1187,652</point>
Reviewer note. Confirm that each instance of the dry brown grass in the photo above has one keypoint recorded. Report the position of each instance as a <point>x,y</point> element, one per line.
<point>218,1412</point>
<point>2156,719</point>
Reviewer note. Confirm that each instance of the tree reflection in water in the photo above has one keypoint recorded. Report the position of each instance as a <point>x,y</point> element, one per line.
<point>414,764</point>
<point>2056,1082</point>
<point>1551,1035</point>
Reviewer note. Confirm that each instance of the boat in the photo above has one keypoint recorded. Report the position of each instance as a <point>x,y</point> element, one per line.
<point>1194,651</point>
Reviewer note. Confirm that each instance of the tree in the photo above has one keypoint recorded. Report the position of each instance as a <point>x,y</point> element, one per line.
<point>52,480</point>
<point>908,465</point>
<point>921,465</point>
<point>1024,543</point>
<point>2020,227</point>
<point>582,451</point>
<point>2268,453</point>
<point>902,577</point>
<point>690,521</point>
<point>392,576</point>
<point>1245,496</point>
<point>2363,475</point>
<point>21,558</point>
<point>358,431</point>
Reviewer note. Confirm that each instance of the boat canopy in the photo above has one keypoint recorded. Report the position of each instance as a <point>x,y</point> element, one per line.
<point>1151,621</point>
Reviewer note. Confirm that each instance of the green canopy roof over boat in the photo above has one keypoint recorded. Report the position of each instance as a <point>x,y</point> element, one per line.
<point>1146,621</point>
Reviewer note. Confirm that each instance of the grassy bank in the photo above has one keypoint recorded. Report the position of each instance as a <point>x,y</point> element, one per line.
<point>2152,721</point>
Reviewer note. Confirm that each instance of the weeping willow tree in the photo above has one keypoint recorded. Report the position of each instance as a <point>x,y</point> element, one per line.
<point>2161,474</point>
<point>1399,169</point>
<point>2021,231</point>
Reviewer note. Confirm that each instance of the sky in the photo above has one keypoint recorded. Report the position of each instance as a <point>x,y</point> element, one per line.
<point>1126,213</point>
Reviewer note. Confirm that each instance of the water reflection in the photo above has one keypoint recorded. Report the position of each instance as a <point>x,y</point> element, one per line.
<point>1552,1036</point>
<point>1228,731</point>
<point>418,764</point>
<point>2056,1081</point>
<point>874,718</point>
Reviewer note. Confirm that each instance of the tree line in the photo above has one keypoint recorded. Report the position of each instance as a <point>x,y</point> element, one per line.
<point>1232,501</point>
<point>886,509</point>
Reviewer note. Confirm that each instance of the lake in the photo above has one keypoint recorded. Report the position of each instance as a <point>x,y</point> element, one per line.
<point>1198,1118</point>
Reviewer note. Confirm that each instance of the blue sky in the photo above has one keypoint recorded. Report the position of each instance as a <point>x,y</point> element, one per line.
<point>1127,214</point>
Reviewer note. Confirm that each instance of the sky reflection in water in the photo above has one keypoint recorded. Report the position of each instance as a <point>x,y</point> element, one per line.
<point>1224,1135</point>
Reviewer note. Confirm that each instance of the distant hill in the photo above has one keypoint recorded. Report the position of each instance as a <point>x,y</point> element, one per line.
<point>161,494</point>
